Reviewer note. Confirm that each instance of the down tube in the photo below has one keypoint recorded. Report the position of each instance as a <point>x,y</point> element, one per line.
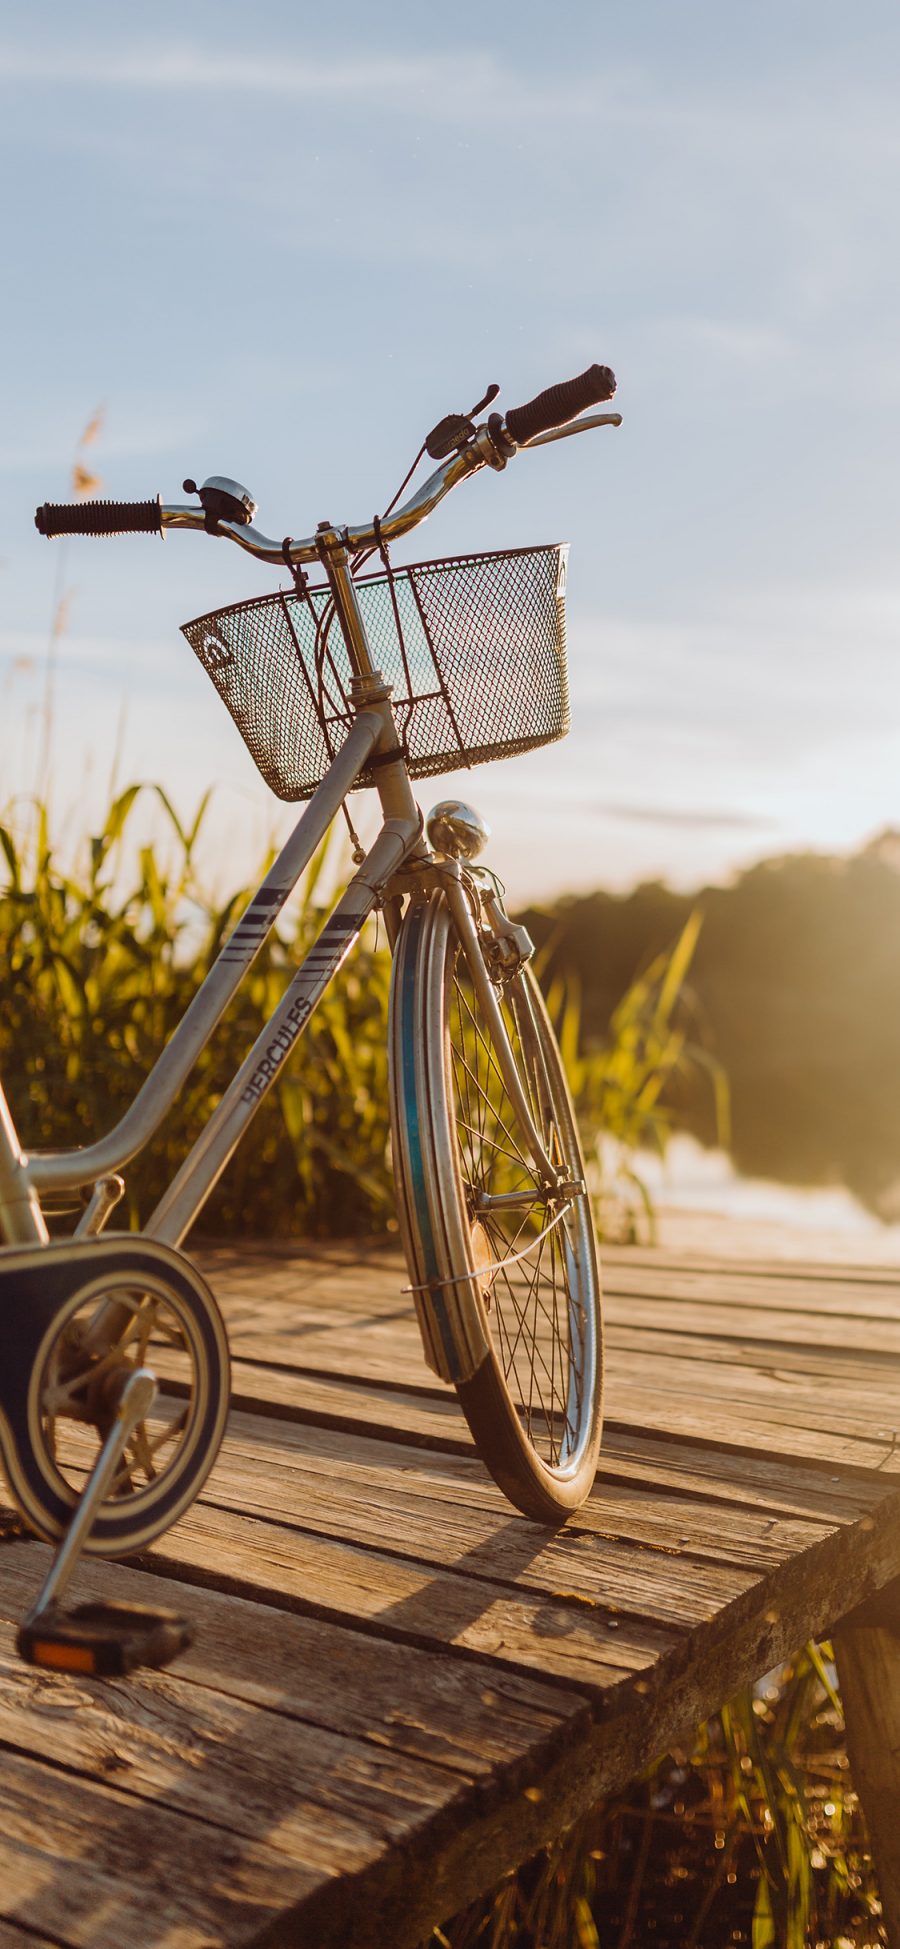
<point>204,1165</point>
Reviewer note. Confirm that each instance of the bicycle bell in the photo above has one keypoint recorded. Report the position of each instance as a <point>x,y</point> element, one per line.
<point>224,500</point>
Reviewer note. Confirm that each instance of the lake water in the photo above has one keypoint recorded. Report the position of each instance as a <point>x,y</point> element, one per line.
<point>703,1204</point>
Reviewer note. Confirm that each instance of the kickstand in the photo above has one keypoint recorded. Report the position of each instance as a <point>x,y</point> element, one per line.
<point>106,1639</point>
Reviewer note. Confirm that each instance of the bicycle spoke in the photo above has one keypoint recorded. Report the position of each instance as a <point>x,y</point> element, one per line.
<point>522,1317</point>
<point>547,1315</point>
<point>499,1149</point>
<point>486,1103</point>
<point>79,1410</point>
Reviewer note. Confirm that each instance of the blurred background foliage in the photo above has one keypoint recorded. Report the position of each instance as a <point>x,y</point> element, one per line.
<point>794,986</point>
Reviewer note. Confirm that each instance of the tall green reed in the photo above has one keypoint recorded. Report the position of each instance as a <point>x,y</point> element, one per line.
<point>100,963</point>
<point>753,1835</point>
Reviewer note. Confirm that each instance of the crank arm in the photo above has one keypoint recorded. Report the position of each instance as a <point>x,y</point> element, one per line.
<point>103,1639</point>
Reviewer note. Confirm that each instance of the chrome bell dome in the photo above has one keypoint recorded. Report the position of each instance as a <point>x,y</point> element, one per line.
<point>456,830</point>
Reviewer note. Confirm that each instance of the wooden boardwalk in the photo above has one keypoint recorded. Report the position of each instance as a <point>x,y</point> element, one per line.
<point>400,1687</point>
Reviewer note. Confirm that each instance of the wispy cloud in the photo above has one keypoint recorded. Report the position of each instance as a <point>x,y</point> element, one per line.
<point>465,82</point>
<point>436,84</point>
<point>186,66</point>
<point>698,821</point>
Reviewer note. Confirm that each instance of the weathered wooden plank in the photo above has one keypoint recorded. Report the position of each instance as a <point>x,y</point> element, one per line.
<point>669,1696</point>
<point>853,1371</point>
<point>441,1510</point>
<point>726,1318</point>
<point>388,1352</point>
<point>714,1416</point>
<point>852,1356</point>
<point>434,1420</point>
<point>297,1281</point>
<point>426,1419</point>
<point>85,1864</point>
<point>803,1292</point>
<point>337,1338</point>
<point>389,1355</point>
<point>764,1392</point>
<point>423,1704</point>
<point>347,1360</point>
<point>764,1482</point>
<point>728,1424</point>
<point>729,1299</point>
<point>562,1638</point>
<point>329,1802</point>
<point>852,1375</point>
<point>663,1259</point>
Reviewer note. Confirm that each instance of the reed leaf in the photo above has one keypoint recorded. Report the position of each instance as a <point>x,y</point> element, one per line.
<point>100,965</point>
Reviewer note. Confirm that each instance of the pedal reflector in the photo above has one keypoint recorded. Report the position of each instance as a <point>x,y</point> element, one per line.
<point>105,1640</point>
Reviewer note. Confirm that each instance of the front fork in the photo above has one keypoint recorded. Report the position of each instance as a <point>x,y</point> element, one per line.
<point>494,953</point>
<point>508,946</point>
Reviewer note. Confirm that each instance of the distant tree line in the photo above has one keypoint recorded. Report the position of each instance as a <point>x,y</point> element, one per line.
<point>794,988</point>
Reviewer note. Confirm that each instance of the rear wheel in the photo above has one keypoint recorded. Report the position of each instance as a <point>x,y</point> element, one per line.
<point>93,1313</point>
<point>504,1262</point>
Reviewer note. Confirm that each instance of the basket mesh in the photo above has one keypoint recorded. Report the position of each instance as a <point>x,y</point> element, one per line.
<point>474,646</point>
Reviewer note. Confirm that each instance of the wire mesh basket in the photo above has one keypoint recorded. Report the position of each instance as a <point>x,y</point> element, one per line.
<point>474,647</point>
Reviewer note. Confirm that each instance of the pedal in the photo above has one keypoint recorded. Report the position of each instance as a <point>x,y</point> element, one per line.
<point>103,1640</point>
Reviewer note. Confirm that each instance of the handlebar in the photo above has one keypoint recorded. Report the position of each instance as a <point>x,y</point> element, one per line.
<point>100,518</point>
<point>560,403</point>
<point>492,444</point>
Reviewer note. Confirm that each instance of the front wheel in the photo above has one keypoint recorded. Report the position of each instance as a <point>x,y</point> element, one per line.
<point>503,1264</point>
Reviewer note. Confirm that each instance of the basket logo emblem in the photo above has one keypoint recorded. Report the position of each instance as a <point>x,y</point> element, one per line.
<point>562,572</point>
<point>216,654</point>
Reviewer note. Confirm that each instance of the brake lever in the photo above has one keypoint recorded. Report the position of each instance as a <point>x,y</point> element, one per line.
<point>574,426</point>
<point>455,429</point>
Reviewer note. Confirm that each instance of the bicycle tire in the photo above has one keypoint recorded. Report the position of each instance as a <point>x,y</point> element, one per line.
<point>48,1437</point>
<point>508,1298</point>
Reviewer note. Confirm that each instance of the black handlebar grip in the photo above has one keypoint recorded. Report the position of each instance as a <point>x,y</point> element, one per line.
<point>99,518</point>
<point>560,403</point>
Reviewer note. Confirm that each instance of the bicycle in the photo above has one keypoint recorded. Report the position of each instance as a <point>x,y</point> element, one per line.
<point>114,1392</point>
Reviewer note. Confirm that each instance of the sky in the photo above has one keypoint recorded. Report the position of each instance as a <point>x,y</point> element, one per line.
<point>279,244</point>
